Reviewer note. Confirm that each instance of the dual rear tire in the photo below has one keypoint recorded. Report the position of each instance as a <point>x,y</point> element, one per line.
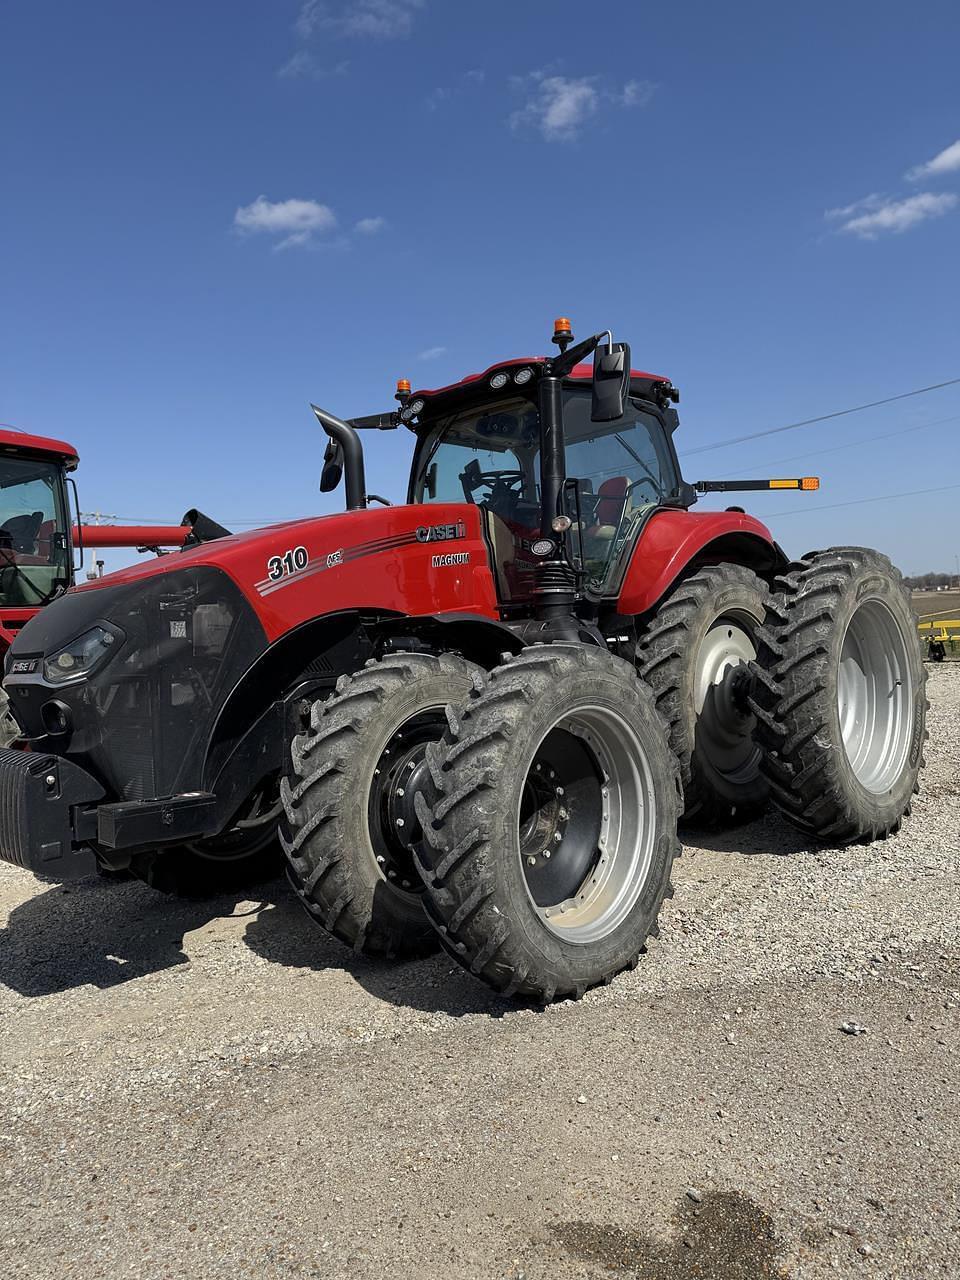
<point>840,696</point>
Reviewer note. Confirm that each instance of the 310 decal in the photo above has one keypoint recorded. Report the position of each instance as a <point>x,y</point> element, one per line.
<point>291,561</point>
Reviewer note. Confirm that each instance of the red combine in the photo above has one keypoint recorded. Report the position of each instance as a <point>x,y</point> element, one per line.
<point>38,543</point>
<point>478,717</point>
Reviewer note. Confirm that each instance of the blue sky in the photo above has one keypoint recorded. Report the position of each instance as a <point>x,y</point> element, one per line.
<point>213,213</point>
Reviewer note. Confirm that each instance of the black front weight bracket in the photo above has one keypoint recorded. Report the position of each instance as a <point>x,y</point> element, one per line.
<point>38,797</point>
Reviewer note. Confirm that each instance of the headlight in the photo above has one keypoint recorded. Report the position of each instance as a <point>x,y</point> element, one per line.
<point>81,656</point>
<point>499,380</point>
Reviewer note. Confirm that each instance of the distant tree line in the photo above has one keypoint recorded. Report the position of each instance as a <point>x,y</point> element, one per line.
<point>930,581</point>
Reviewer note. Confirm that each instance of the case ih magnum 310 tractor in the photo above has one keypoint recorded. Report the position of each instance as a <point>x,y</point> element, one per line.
<point>479,716</point>
<point>36,539</point>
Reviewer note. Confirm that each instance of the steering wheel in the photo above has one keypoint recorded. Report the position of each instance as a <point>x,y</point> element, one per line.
<point>502,484</point>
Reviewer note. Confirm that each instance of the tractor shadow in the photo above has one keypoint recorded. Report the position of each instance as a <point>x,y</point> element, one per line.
<point>283,934</point>
<point>104,933</point>
<point>768,836</point>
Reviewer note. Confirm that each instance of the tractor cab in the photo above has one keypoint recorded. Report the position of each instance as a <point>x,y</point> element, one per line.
<point>35,546</point>
<point>480,443</point>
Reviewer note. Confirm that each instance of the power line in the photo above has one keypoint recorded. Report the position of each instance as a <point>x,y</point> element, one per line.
<point>810,453</point>
<point>824,417</point>
<point>857,502</point>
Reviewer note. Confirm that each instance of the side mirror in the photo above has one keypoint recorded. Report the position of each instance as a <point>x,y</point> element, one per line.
<point>611,381</point>
<point>332,472</point>
<point>430,481</point>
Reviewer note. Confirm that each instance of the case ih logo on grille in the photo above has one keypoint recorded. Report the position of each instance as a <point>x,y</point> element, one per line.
<point>451,558</point>
<point>24,666</point>
<point>441,532</point>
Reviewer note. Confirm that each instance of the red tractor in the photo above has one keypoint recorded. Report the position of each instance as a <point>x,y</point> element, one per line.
<point>38,543</point>
<point>478,717</point>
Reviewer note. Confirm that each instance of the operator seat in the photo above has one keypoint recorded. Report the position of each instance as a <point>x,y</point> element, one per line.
<point>611,499</point>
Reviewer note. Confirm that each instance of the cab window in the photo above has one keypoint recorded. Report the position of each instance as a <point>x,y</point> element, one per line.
<point>485,456</point>
<point>625,470</point>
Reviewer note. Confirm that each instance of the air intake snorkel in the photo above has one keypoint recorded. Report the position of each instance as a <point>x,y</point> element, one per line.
<point>344,457</point>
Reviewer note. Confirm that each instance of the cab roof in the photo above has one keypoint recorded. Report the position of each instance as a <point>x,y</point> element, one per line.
<point>22,442</point>
<point>579,373</point>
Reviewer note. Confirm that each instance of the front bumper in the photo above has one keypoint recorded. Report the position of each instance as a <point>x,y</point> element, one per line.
<point>50,818</point>
<point>42,803</point>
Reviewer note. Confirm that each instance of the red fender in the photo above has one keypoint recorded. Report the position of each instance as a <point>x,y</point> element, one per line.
<point>671,539</point>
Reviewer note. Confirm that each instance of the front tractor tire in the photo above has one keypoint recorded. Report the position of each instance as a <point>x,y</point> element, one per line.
<point>348,800</point>
<point>695,654</point>
<point>840,696</point>
<point>549,823</point>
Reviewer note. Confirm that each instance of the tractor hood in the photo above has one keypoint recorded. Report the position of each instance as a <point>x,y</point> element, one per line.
<point>409,559</point>
<point>138,664</point>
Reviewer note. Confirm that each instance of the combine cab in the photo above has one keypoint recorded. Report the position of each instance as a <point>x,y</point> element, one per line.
<point>477,718</point>
<point>37,539</point>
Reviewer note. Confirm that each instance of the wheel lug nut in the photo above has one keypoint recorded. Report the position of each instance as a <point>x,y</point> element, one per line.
<point>546,853</point>
<point>381,859</point>
<point>559,791</point>
<point>531,860</point>
<point>399,822</point>
<point>400,791</point>
<point>563,815</point>
<point>557,837</point>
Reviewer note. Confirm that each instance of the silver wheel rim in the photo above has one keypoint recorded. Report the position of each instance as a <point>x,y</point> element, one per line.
<point>875,697</point>
<point>724,729</point>
<point>624,839</point>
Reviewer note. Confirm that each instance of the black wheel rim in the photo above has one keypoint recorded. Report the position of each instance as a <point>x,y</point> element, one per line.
<point>399,773</point>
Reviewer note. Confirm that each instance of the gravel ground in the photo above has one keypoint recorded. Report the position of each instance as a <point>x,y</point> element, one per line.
<point>215,1090</point>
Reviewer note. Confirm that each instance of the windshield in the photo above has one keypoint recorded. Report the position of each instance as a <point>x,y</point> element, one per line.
<point>34,547</point>
<point>489,455</point>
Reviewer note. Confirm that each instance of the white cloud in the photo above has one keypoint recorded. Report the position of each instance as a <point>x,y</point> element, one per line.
<point>945,161</point>
<point>295,221</point>
<point>432,353</point>
<point>561,105</point>
<point>303,64</point>
<point>872,201</point>
<point>371,19</point>
<point>370,226</point>
<point>636,93</point>
<point>877,215</point>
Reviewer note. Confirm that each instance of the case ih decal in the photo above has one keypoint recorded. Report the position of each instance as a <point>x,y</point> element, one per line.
<point>295,565</point>
<point>441,532</point>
